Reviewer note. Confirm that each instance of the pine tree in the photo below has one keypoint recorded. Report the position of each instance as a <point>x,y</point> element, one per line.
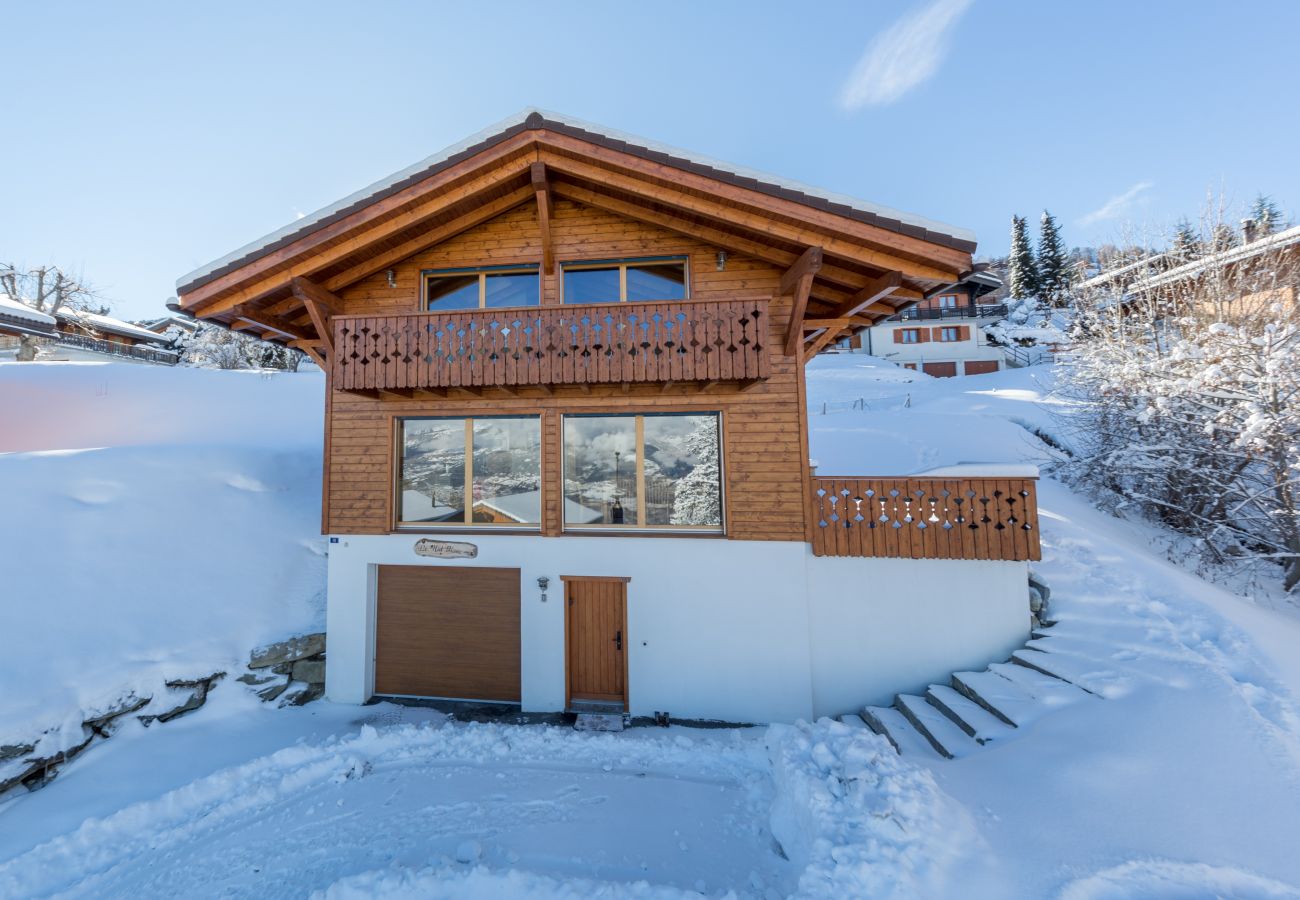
<point>696,500</point>
<point>1266,215</point>
<point>1186,245</point>
<point>1022,271</point>
<point>1053,266</point>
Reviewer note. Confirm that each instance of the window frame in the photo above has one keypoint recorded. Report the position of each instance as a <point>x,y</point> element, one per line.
<point>910,336</point>
<point>956,334</point>
<point>623,264</point>
<point>719,530</point>
<point>951,297</point>
<point>482,272</point>
<point>468,522</point>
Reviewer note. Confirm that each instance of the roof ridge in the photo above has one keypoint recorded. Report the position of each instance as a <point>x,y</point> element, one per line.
<point>534,119</point>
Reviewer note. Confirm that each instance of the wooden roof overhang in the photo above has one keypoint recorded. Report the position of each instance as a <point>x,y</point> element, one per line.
<point>846,267</point>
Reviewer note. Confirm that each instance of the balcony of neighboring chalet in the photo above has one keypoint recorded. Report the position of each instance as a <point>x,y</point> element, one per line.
<point>684,341</point>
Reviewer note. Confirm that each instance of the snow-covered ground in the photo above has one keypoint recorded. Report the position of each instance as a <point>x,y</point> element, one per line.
<point>1180,778</point>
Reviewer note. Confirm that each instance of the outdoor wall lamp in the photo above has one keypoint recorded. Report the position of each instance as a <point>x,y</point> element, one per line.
<point>722,260</point>
<point>543,583</point>
<point>392,278</point>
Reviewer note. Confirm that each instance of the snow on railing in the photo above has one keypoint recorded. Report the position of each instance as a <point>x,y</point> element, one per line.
<point>947,515</point>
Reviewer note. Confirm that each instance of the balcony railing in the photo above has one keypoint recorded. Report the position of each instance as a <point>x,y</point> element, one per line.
<point>112,348</point>
<point>692,341</point>
<point>969,311</point>
<point>926,518</point>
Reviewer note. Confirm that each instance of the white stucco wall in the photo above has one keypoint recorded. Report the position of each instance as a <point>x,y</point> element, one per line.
<point>745,631</point>
<point>977,346</point>
<point>716,629</point>
<point>905,624</point>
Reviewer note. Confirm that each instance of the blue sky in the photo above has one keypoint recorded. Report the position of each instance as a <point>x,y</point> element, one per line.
<point>143,140</point>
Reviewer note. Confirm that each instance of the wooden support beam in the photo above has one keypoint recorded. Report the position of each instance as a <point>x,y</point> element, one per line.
<point>316,357</point>
<point>822,340</point>
<point>808,263</point>
<point>666,386</point>
<point>747,383</point>
<point>797,282</point>
<point>584,387</point>
<point>472,391</point>
<point>321,306</point>
<point>542,189</point>
<point>272,323</point>
<point>545,389</point>
<point>819,324</point>
<point>874,291</point>
<point>507,390</point>
<point>706,385</point>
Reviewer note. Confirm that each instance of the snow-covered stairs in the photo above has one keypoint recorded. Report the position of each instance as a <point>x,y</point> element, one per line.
<point>977,709</point>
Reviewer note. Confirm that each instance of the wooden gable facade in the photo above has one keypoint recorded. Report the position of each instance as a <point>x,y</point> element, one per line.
<point>775,275</point>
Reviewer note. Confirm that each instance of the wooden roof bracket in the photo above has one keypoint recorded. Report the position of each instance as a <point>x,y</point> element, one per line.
<point>797,282</point>
<point>542,189</point>
<point>321,306</point>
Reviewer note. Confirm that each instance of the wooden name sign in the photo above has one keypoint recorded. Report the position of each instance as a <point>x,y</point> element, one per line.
<point>445,549</point>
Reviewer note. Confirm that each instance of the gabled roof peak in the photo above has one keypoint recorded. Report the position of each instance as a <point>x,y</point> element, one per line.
<point>534,119</point>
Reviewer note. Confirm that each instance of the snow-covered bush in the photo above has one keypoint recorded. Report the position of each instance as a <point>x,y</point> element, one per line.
<point>1190,397</point>
<point>213,347</point>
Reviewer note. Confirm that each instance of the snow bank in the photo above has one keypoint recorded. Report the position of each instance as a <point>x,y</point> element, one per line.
<point>858,820</point>
<point>68,405</point>
<point>189,536</point>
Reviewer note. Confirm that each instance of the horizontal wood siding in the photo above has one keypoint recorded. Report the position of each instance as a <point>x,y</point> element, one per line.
<point>926,518</point>
<point>764,444</point>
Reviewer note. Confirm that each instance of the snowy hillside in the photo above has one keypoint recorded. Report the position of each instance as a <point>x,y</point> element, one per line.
<point>156,524</point>
<point>190,534</point>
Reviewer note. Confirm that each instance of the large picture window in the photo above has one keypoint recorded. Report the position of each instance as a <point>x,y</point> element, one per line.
<point>490,288</point>
<point>615,281</point>
<point>470,471</point>
<point>652,471</point>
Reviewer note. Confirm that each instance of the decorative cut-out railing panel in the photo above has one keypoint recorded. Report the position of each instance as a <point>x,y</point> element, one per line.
<point>698,341</point>
<point>926,518</point>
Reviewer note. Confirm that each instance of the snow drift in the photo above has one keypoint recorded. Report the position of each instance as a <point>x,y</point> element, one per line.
<point>156,524</point>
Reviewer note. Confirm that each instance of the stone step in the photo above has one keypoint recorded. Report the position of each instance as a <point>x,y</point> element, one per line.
<point>942,733</point>
<point>1003,698</point>
<point>967,715</point>
<point>853,720</point>
<point>1049,693</point>
<point>598,722</point>
<point>1090,675</point>
<point>890,724</point>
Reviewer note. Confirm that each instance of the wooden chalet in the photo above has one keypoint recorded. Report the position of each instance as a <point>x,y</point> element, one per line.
<point>578,356</point>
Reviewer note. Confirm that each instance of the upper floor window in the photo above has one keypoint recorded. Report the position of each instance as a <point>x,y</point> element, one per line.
<point>949,334</point>
<point>643,471</point>
<point>620,280</point>
<point>470,471</point>
<point>486,288</point>
<point>911,335</point>
<point>947,301</point>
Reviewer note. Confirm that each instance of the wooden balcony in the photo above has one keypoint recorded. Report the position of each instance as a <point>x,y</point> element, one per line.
<point>617,343</point>
<point>926,518</point>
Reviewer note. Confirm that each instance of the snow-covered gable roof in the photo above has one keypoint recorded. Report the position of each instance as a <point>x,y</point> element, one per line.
<point>1270,243</point>
<point>99,322</point>
<point>17,310</point>
<point>533,118</point>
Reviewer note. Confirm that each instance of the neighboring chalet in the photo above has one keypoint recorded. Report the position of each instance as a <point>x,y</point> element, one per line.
<point>1235,282</point>
<point>79,335</point>
<point>566,442</point>
<point>941,335</point>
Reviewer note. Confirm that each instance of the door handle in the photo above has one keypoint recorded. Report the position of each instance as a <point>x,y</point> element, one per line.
<point>618,640</point>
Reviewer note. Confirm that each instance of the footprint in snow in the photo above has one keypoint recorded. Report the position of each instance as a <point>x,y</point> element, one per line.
<point>94,492</point>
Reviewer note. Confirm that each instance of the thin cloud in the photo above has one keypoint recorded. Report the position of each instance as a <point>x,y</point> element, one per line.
<point>1118,205</point>
<point>902,56</point>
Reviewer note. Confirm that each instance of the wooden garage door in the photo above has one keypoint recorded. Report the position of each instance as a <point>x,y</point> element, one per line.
<point>444,631</point>
<point>981,366</point>
<point>940,370</point>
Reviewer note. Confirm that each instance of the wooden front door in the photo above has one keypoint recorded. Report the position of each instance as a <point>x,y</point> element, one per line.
<point>448,631</point>
<point>595,644</point>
